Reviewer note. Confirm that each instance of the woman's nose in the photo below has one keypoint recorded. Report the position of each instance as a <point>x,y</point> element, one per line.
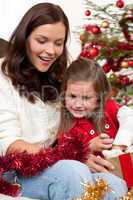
<point>50,49</point>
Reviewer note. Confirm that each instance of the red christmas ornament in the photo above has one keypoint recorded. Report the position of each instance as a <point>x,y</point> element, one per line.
<point>88,28</point>
<point>88,45</point>
<point>106,68</point>
<point>115,66</point>
<point>130,63</point>
<point>93,52</point>
<point>95,29</point>
<point>87,13</point>
<point>89,56</point>
<point>83,54</point>
<point>120,3</point>
<point>92,29</point>
<point>125,80</point>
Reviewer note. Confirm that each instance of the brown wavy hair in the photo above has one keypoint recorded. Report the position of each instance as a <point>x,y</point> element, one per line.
<point>16,64</point>
<point>90,71</point>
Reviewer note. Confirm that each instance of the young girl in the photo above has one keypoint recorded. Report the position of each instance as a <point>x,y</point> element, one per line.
<point>88,109</point>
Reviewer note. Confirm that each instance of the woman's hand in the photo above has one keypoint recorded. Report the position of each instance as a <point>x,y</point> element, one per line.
<point>98,164</point>
<point>101,142</point>
<point>20,146</point>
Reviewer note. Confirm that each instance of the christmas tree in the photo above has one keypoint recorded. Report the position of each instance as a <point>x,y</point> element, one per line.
<point>107,37</point>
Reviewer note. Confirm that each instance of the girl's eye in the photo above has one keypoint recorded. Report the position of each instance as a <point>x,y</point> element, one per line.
<point>72,96</point>
<point>86,98</point>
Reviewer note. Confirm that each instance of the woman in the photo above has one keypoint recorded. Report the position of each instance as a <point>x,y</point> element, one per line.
<point>30,79</point>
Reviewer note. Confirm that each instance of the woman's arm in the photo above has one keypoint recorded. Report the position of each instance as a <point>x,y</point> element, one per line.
<point>98,164</point>
<point>20,146</point>
<point>11,137</point>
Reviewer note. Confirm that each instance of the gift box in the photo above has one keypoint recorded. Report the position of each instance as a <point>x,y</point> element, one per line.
<point>123,167</point>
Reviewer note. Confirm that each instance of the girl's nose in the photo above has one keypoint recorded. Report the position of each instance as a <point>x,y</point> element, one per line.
<point>78,103</point>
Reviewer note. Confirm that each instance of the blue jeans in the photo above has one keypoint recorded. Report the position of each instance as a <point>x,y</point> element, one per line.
<point>63,181</point>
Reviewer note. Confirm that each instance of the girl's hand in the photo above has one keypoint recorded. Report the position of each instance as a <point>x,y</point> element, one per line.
<point>98,164</point>
<point>100,143</point>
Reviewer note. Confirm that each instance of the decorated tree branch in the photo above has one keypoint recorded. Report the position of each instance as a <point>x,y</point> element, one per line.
<point>107,37</point>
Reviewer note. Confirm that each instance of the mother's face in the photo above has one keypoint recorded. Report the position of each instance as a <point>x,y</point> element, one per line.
<point>45,44</point>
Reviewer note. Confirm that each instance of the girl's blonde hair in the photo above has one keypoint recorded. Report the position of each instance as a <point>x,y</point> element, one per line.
<point>88,71</point>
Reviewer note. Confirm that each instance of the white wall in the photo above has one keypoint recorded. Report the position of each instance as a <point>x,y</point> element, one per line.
<point>11,12</point>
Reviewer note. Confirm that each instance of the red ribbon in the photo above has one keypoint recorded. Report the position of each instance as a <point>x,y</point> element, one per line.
<point>127,168</point>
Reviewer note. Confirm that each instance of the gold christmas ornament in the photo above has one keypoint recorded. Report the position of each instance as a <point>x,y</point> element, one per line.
<point>113,77</point>
<point>124,64</point>
<point>94,191</point>
<point>128,196</point>
<point>105,24</point>
<point>98,190</point>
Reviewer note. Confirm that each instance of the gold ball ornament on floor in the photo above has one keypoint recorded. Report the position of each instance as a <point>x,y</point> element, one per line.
<point>128,196</point>
<point>98,190</point>
<point>94,191</point>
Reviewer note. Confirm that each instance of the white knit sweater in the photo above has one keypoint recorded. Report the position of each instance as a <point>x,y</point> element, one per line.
<point>20,119</point>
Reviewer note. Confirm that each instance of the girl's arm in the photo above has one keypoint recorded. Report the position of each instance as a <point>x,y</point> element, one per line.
<point>101,142</point>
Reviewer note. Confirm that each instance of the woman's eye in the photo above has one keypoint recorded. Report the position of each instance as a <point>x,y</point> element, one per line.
<point>59,44</point>
<point>41,41</point>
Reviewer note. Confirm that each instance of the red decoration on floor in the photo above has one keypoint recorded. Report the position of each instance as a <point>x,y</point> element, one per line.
<point>70,146</point>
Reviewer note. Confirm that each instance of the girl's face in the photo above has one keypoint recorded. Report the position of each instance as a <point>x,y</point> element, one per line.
<point>80,98</point>
<point>45,44</point>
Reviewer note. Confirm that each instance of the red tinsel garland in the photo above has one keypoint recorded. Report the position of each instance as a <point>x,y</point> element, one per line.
<point>72,146</point>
